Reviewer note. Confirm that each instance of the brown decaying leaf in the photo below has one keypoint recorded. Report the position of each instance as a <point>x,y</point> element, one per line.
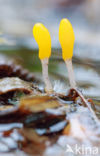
<point>14,84</point>
<point>9,68</point>
<point>38,103</point>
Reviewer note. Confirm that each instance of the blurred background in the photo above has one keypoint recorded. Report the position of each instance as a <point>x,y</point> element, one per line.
<point>17,18</point>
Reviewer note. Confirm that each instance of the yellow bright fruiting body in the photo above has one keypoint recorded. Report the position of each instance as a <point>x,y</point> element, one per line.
<point>43,39</point>
<point>66,38</point>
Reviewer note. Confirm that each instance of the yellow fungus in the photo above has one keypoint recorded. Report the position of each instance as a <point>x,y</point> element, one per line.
<point>43,39</point>
<point>66,38</point>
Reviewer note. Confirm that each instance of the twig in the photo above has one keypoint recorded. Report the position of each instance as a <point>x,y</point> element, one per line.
<point>87,104</point>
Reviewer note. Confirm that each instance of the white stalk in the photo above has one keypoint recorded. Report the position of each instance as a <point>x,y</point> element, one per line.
<point>48,86</point>
<point>70,73</point>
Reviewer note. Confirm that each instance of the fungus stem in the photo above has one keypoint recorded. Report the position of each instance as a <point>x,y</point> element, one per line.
<point>70,73</point>
<point>48,86</point>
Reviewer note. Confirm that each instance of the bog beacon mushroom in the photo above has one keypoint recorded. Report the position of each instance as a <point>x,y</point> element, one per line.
<point>43,39</point>
<point>66,38</point>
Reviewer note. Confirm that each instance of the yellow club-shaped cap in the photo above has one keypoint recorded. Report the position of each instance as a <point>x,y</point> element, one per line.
<point>43,39</point>
<point>66,38</point>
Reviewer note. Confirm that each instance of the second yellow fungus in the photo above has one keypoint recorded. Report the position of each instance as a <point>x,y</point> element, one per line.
<point>66,38</point>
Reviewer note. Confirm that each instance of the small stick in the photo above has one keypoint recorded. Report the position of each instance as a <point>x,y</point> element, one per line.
<point>88,106</point>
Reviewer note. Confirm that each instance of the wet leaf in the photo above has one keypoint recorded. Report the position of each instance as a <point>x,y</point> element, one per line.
<point>3,108</point>
<point>14,84</point>
<point>38,103</point>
